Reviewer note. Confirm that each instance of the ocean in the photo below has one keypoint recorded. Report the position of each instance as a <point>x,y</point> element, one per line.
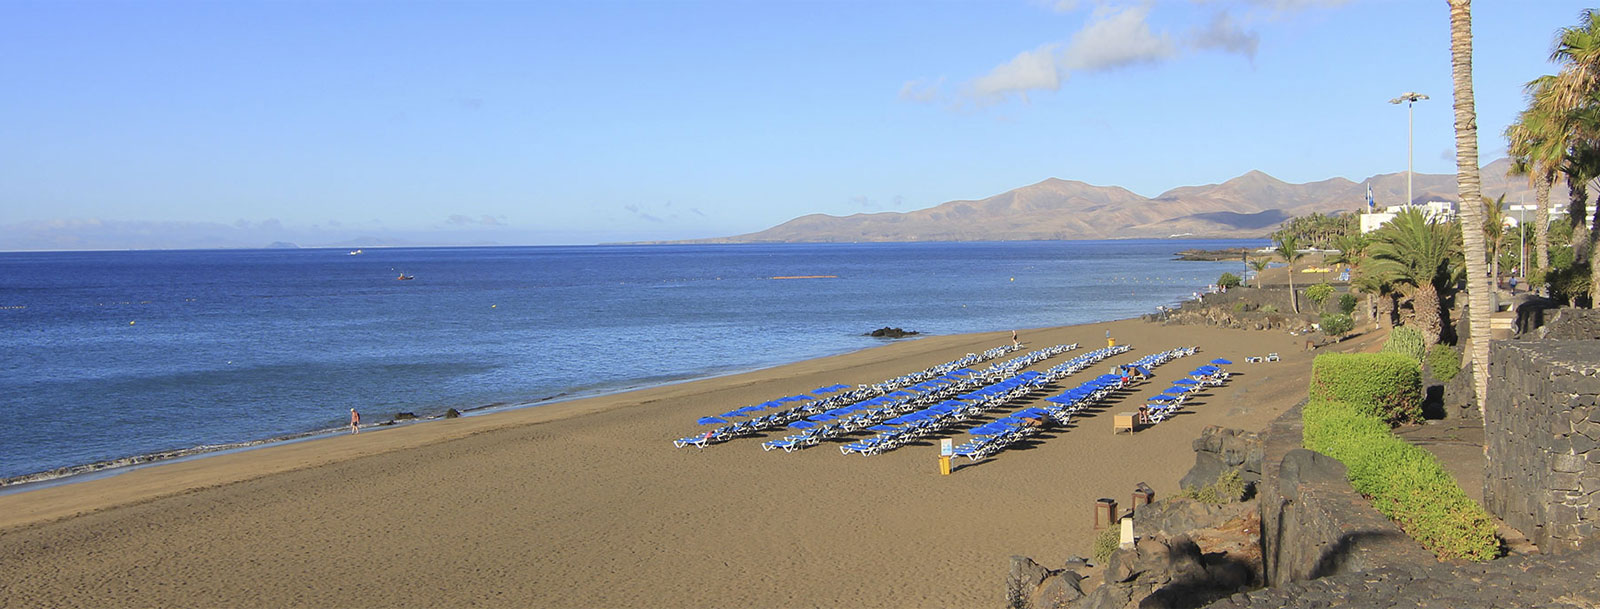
<point>112,355</point>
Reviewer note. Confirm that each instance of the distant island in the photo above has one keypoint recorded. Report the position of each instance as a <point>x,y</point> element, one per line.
<point>1249,206</point>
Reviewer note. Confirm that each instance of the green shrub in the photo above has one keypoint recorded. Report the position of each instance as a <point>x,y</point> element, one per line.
<point>1336,324</point>
<point>1444,362</point>
<point>1347,303</point>
<point>1238,307</point>
<point>1406,483</point>
<point>1227,488</point>
<point>1105,543</point>
<point>1405,340</point>
<point>1269,308</point>
<point>1229,281</point>
<point>1385,385</point>
<point>1319,293</point>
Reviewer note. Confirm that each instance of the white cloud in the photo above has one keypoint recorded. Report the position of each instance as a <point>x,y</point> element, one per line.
<point>922,90</point>
<point>1224,34</point>
<point>1118,39</point>
<point>1117,36</point>
<point>1038,69</point>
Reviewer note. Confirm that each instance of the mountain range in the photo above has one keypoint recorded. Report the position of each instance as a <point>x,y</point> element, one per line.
<point>1251,205</point>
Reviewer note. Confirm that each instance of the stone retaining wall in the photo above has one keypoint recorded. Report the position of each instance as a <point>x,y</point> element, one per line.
<point>1542,431</point>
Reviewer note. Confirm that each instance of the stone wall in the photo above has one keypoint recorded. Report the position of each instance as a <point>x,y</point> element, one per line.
<point>1572,324</point>
<point>1542,431</point>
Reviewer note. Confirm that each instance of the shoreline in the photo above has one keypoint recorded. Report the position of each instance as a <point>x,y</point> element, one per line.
<point>547,506</point>
<point>70,474</point>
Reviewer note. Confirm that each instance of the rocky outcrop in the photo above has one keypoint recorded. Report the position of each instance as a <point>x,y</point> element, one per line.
<point>887,332</point>
<point>1521,582</point>
<point>1220,449</point>
<point>1315,525</point>
<point>1031,586</point>
<point>1167,573</point>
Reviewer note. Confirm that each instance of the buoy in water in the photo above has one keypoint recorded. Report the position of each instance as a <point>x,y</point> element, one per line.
<point>130,323</point>
<point>493,306</point>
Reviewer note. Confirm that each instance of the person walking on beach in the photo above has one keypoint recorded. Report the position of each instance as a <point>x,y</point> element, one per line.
<point>355,421</point>
<point>1014,340</point>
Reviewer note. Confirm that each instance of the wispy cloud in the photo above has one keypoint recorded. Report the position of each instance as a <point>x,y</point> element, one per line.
<point>1225,34</point>
<point>1116,36</point>
<point>483,220</point>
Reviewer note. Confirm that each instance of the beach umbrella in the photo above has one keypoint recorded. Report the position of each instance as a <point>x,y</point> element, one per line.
<point>1221,361</point>
<point>802,425</point>
<point>710,421</point>
<point>1162,397</point>
<point>821,418</point>
<point>1175,391</point>
<point>1186,382</point>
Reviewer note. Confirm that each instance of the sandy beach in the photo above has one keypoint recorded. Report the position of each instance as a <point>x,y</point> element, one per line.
<point>588,504</point>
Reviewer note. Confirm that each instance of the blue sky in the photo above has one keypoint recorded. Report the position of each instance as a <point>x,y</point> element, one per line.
<point>192,124</point>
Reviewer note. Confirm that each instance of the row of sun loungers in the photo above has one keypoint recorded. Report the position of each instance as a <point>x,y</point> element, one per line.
<point>1163,405</point>
<point>908,428</point>
<point>873,414</point>
<point>1001,433</point>
<point>787,410</point>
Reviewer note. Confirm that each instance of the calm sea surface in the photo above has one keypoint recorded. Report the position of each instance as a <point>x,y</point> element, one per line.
<point>105,355</point>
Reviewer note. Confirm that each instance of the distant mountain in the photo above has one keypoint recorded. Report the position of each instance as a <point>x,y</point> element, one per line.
<point>1251,205</point>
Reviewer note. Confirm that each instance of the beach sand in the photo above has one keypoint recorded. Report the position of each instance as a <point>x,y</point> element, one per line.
<point>588,504</point>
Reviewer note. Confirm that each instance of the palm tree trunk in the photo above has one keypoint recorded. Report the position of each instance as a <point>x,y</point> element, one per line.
<point>1372,311</point>
<point>1467,189</point>
<point>1425,308</point>
<point>1294,303</point>
<point>1386,308</point>
<point>1541,227</point>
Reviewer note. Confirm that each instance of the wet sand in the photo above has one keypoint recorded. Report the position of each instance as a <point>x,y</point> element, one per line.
<point>588,504</point>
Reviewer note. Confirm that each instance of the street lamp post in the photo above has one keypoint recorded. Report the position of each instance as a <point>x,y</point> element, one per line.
<point>1410,98</point>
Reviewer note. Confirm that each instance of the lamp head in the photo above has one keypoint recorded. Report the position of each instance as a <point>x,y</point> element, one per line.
<point>1409,96</point>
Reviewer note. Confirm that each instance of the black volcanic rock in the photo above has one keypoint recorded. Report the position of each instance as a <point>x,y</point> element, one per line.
<point>887,332</point>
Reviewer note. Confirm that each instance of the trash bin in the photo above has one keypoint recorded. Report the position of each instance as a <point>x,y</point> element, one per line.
<point>1105,513</point>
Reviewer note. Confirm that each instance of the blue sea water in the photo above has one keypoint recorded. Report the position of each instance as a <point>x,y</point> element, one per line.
<point>113,354</point>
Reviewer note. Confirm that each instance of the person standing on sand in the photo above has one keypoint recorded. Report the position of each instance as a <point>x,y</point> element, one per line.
<point>355,421</point>
<point>1014,340</point>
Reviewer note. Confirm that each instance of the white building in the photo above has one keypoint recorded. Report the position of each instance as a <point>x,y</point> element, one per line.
<point>1436,210</point>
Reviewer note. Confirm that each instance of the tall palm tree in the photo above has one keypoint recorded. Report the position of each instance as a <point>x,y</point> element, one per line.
<point>1289,250</point>
<point>1577,48</point>
<point>1538,143</point>
<point>1258,265</point>
<point>1467,188</point>
<point>1412,250</point>
<point>1494,232</point>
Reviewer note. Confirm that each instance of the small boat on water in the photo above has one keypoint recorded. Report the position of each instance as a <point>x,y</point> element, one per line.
<point>356,253</point>
<point>405,277</point>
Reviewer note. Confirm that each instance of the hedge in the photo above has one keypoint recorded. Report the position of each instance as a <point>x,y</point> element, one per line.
<point>1385,385</point>
<point>1405,340</point>
<point>1406,483</point>
<point>1444,362</point>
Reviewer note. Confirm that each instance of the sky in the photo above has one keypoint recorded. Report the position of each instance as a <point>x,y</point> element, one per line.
<point>236,124</point>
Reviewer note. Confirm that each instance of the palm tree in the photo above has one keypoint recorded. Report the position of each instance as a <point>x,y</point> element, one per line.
<point>1494,232</point>
<point>1538,145</point>
<point>1289,250</point>
<point>1258,265</point>
<point>1412,250</point>
<point>1378,289</point>
<point>1577,48</point>
<point>1467,188</point>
